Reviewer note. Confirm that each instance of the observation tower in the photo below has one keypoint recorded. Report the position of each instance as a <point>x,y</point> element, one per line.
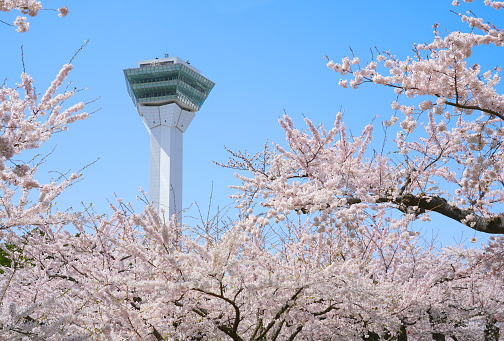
<point>167,93</point>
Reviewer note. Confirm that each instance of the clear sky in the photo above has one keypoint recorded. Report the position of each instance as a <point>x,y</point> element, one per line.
<point>265,56</point>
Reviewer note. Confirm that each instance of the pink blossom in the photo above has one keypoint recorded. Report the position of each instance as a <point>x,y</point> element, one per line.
<point>30,7</point>
<point>63,11</point>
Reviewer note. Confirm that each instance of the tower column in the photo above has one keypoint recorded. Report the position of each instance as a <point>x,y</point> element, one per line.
<point>166,125</point>
<point>165,171</point>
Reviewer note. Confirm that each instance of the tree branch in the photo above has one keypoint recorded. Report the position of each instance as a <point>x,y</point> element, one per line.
<point>230,331</point>
<point>475,107</point>
<point>286,306</point>
<point>493,225</point>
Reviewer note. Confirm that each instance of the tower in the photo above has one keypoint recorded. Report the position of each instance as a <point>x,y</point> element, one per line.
<point>167,93</point>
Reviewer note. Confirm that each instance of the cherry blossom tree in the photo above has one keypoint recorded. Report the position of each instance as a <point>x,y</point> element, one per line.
<point>27,213</point>
<point>455,148</point>
<point>325,181</point>
<point>29,284</point>
<point>323,247</point>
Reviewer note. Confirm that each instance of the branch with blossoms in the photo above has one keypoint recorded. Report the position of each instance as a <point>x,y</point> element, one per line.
<point>29,7</point>
<point>420,204</point>
<point>36,285</point>
<point>320,173</point>
<point>27,122</point>
<point>453,149</point>
<point>443,72</point>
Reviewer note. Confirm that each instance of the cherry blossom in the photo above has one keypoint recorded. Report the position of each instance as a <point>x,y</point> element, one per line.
<point>29,7</point>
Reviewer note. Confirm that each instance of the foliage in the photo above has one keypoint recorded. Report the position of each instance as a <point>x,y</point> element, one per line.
<point>454,165</point>
<point>319,251</point>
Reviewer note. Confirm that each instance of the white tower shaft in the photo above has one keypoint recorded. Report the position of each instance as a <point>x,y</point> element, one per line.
<point>166,125</point>
<point>165,173</point>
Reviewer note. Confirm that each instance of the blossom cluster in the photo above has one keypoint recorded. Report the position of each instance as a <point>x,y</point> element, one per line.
<point>439,70</point>
<point>29,7</point>
<point>27,122</point>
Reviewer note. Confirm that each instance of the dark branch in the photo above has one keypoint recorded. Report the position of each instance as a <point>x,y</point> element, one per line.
<point>298,329</point>
<point>230,331</point>
<point>325,311</point>
<point>475,107</point>
<point>70,278</point>
<point>286,306</point>
<point>493,225</point>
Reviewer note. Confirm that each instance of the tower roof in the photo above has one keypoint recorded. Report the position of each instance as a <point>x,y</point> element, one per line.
<point>167,80</point>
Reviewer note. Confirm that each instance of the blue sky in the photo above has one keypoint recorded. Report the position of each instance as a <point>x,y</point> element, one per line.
<point>265,56</point>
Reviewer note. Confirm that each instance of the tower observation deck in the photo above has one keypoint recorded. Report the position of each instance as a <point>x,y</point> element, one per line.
<point>167,93</point>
